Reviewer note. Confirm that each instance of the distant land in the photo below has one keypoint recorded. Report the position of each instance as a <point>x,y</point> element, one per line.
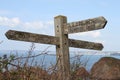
<point>50,56</point>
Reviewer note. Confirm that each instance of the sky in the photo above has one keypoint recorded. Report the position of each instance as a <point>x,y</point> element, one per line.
<point>37,16</point>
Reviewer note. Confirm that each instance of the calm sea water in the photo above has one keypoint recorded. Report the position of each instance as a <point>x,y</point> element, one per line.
<point>48,60</point>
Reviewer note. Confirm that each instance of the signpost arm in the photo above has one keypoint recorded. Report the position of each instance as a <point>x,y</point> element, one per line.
<point>85,44</point>
<point>85,25</point>
<point>32,37</point>
<point>62,50</point>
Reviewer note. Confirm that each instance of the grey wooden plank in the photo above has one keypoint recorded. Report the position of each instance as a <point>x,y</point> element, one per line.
<point>85,44</point>
<point>85,25</point>
<point>31,37</point>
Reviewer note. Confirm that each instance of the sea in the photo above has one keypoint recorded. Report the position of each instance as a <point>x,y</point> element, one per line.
<point>48,58</point>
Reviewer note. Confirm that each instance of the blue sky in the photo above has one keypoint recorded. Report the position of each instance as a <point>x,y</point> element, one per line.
<point>37,16</point>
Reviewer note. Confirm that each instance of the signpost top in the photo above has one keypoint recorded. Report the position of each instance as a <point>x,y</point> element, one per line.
<point>60,16</point>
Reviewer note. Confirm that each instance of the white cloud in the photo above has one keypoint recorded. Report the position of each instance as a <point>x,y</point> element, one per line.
<point>94,34</point>
<point>4,21</point>
<point>37,24</point>
<point>14,22</point>
<point>100,41</point>
<point>33,25</point>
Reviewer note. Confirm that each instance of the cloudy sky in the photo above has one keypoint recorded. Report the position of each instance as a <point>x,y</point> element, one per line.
<point>37,16</point>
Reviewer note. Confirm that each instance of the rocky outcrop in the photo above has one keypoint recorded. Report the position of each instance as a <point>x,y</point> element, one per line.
<point>81,74</point>
<point>107,68</point>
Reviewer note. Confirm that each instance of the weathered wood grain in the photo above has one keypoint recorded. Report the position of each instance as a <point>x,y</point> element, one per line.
<point>31,37</point>
<point>85,44</point>
<point>85,25</point>
<point>62,50</point>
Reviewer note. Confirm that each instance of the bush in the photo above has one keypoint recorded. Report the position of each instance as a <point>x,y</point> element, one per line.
<point>14,67</point>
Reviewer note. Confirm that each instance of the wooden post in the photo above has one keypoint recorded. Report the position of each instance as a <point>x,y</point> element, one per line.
<point>62,50</point>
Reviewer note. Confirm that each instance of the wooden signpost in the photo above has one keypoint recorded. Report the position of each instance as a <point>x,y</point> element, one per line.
<point>61,40</point>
